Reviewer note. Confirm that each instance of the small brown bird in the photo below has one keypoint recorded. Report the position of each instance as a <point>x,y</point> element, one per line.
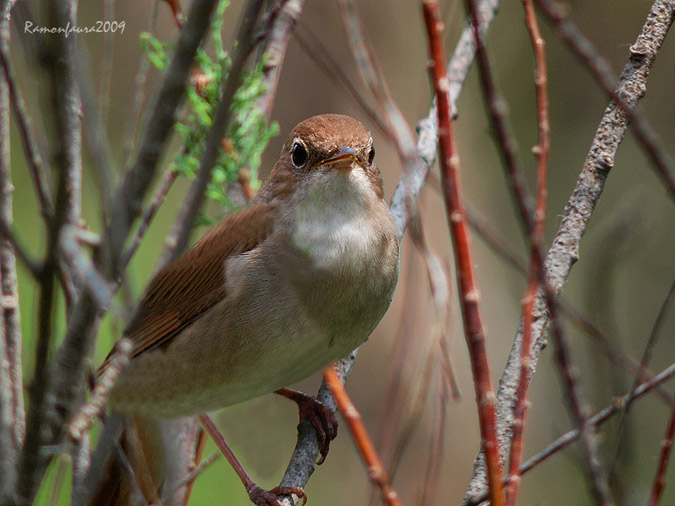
<point>275,292</point>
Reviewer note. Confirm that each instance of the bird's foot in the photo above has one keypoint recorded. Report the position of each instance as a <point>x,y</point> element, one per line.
<point>319,415</point>
<point>261,497</point>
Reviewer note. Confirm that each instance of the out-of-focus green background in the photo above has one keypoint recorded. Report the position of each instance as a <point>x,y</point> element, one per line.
<point>625,270</point>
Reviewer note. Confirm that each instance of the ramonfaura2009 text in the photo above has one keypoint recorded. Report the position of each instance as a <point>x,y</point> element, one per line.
<point>98,27</point>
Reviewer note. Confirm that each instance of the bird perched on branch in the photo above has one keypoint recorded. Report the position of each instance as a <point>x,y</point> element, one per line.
<point>275,292</point>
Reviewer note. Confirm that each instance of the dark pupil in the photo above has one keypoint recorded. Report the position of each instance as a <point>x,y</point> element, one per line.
<point>371,155</point>
<point>299,154</point>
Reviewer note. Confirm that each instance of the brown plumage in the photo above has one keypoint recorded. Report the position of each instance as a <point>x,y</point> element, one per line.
<point>273,293</point>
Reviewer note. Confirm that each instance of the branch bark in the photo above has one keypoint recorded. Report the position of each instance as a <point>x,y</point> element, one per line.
<point>564,251</point>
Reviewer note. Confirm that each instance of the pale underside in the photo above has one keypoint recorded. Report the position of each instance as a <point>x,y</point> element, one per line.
<point>293,304</point>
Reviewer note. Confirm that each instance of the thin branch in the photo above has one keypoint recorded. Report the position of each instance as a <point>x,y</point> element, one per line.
<point>88,413</point>
<point>189,479</point>
<point>580,45</point>
<point>12,415</point>
<point>313,46</point>
<point>664,457</point>
<point>149,214</point>
<point>644,362</point>
<point>376,472</point>
<point>106,65</point>
<point>28,140</point>
<point>140,81</point>
<point>536,236</point>
<point>579,407</point>
<point>274,46</point>
<point>19,250</point>
<point>82,267</point>
<point>373,78</point>
<point>96,137</point>
<point>469,294</point>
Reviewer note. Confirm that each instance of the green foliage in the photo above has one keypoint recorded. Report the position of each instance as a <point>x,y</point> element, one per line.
<point>249,133</point>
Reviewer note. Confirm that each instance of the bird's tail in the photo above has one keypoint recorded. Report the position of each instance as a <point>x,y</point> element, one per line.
<point>135,465</point>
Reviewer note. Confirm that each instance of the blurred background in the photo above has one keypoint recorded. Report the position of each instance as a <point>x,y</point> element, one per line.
<point>624,273</point>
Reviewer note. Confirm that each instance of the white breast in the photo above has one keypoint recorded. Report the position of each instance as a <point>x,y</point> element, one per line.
<point>332,222</point>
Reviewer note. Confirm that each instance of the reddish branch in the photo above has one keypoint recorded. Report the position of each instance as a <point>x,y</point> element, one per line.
<point>176,12</point>
<point>254,491</point>
<point>376,471</point>
<point>660,477</point>
<point>536,277</point>
<point>459,231</point>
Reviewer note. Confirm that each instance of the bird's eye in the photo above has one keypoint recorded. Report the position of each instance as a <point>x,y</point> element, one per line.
<point>371,155</point>
<point>299,154</point>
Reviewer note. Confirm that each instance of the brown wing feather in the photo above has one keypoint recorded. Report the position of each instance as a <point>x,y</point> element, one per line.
<point>194,282</point>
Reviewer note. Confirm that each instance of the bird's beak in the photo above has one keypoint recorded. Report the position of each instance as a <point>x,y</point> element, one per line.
<point>342,159</point>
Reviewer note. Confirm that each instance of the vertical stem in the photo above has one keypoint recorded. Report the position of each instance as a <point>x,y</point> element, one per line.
<point>535,235</point>
<point>12,417</point>
<point>459,231</point>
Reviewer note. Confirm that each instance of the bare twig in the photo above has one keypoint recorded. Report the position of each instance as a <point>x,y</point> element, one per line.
<point>644,362</point>
<point>140,81</point>
<point>83,268</point>
<point>469,294</point>
<point>660,475</point>
<point>580,45</point>
<point>194,474</point>
<point>536,236</point>
<point>106,65</point>
<point>19,250</point>
<point>274,47</point>
<point>315,49</point>
<point>12,416</point>
<point>81,460</point>
<point>29,143</point>
<point>88,413</point>
<point>149,214</point>
<point>373,78</point>
<point>97,141</point>
<point>376,472</point>
<point>579,408</point>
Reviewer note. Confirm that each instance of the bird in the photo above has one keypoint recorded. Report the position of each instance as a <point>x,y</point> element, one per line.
<point>273,293</point>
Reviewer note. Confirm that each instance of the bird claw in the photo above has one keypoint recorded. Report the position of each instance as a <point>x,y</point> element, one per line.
<point>261,497</point>
<point>323,420</point>
<point>321,417</point>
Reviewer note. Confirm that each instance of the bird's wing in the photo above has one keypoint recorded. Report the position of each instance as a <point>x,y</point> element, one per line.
<point>194,282</point>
